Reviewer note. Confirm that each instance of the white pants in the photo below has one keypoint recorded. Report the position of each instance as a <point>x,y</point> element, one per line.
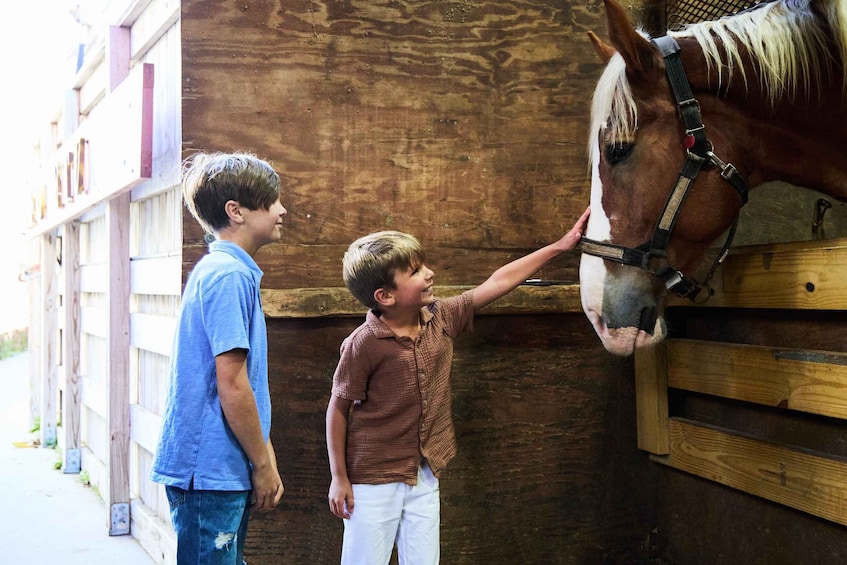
<point>383,514</point>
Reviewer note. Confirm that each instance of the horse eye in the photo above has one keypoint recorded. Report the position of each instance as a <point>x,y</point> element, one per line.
<point>617,152</point>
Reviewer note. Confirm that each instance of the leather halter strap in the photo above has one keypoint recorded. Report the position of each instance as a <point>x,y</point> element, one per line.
<point>652,255</point>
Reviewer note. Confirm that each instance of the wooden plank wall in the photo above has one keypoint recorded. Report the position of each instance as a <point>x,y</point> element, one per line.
<point>753,386</point>
<point>121,287</point>
<point>463,123</point>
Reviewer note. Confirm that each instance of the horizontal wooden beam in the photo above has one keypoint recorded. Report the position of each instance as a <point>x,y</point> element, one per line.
<point>807,481</point>
<point>809,275</point>
<point>152,333</point>
<point>144,427</point>
<point>805,380</point>
<point>156,275</point>
<point>337,301</point>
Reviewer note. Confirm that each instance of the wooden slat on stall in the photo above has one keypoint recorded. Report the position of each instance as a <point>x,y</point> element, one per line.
<point>805,275</point>
<point>651,397</point>
<point>808,275</point>
<point>803,380</point>
<point>804,480</point>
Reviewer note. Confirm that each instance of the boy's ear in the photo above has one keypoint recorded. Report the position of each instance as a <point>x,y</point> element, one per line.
<point>233,210</point>
<point>383,297</point>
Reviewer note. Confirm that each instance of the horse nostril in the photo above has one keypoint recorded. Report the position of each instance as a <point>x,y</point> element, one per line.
<point>647,322</point>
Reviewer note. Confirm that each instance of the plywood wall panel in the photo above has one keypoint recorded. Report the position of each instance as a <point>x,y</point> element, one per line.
<point>462,123</point>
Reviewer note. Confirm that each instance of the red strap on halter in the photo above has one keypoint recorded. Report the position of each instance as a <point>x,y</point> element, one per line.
<point>689,141</point>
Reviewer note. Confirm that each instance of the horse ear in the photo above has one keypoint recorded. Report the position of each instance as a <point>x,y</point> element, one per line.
<point>605,51</point>
<point>641,57</point>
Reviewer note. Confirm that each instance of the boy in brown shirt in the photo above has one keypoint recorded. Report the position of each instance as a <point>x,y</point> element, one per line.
<point>389,426</point>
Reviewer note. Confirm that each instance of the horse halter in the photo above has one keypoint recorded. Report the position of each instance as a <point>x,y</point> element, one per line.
<point>652,255</point>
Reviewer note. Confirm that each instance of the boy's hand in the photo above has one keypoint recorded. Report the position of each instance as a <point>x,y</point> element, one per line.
<point>267,488</point>
<point>509,276</point>
<point>571,239</point>
<point>341,498</point>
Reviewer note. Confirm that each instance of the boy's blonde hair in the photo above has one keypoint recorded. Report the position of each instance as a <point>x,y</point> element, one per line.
<point>209,180</point>
<point>371,262</point>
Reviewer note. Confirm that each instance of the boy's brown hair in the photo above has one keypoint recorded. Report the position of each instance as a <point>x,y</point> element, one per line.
<point>211,179</point>
<point>371,262</point>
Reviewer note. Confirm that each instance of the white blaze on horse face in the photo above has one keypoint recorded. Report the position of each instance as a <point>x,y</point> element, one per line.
<point>592,270</point>
<point>593,278</point>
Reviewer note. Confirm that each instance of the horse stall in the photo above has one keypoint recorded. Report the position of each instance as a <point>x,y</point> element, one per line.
<point>743,403</point>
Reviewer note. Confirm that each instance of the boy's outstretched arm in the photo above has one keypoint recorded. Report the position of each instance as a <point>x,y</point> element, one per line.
<point>509,276</point>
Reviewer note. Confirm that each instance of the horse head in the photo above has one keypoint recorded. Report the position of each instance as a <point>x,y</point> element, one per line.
<point>666,125</point>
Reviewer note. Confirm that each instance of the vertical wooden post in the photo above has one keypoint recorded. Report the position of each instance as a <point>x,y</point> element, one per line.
<point>71,349</point>
<point>651,399</point>
<point>117,220</point>
<point>49,339</point>
<point>71,336</point>
<point>118,350</point>
<point>36,323</point>
<point>117,55</point>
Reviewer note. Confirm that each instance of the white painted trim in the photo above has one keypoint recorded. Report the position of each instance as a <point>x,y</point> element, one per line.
<point>156,275</point>
<point>152,333</point>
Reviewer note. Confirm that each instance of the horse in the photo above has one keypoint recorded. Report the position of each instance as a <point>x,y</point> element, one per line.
<point>682,126</point>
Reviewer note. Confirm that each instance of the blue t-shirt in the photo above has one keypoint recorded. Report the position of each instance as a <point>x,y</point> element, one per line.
<point>221,310</point>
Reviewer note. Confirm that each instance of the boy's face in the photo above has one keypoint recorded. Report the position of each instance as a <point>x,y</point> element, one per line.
<point>265,225</point>
<point>414,287</point>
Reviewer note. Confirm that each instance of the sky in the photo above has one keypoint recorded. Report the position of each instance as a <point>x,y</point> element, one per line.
<point>36,38</point>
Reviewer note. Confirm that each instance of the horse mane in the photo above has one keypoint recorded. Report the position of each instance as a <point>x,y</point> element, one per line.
<point>787,40</point>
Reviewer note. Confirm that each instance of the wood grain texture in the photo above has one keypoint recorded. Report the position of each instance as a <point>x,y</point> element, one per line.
<point>118,360</point>
<point>808,275</point>
<point>545,422</point>
<point>320,302</point>
<point>702,520</point>
<point>800,479</point>
<point>651,397</point>
<point>463,123</point>
<point>796,379</point>
<point>71,339</point>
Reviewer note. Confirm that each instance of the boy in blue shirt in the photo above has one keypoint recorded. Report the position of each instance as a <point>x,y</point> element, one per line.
<point>215,455</point>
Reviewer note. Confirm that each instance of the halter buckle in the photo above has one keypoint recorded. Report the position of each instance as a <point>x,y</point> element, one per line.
<point>678,283</point>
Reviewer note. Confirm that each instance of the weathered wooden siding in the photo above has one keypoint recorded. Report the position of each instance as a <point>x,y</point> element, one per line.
<point>547,456</point>
<point>465,124</point>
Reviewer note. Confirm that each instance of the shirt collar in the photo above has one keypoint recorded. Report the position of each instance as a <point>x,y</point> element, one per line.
<point>239,253</point>
<point>381,330</point>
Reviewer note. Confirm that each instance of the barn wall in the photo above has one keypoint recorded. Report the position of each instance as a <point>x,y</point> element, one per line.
<point>465,124</point>
<point>546,432</point>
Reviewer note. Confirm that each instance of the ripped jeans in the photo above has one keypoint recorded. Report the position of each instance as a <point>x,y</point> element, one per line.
<point>210,525</point>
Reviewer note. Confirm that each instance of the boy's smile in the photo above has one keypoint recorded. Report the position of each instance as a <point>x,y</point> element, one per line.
<point>414,287</point>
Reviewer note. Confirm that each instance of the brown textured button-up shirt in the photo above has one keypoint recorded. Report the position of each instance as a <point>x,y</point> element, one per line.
<point>402,409</point>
